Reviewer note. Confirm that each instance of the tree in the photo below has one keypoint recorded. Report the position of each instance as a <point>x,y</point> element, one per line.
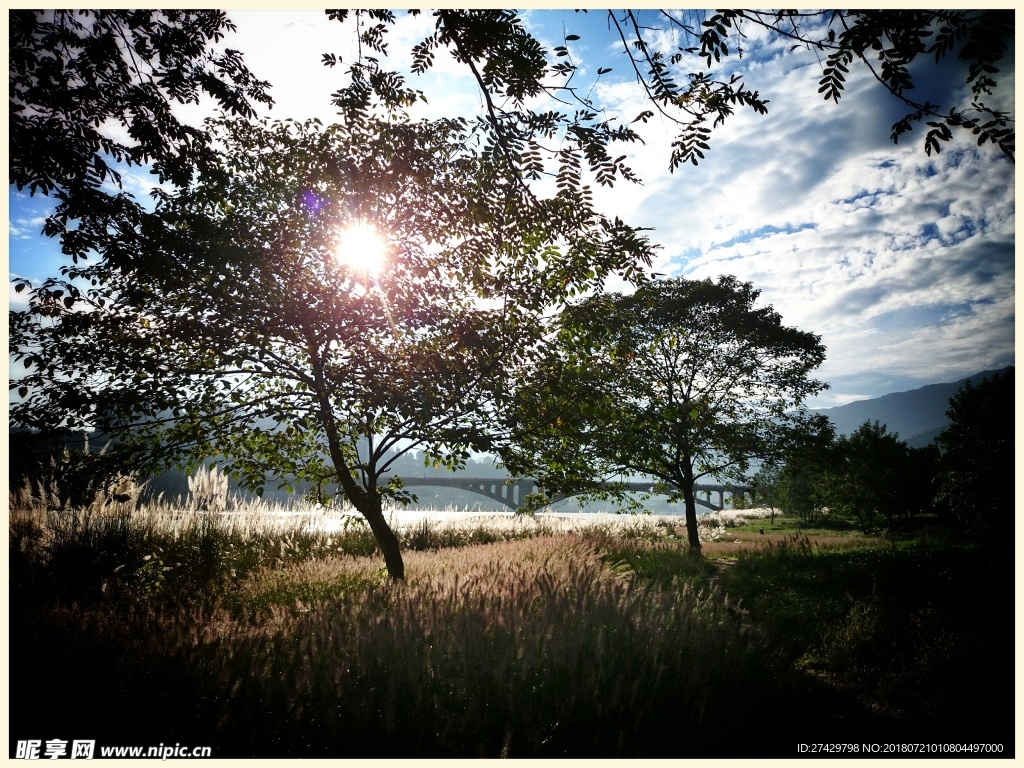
<point>976,479</point>
<point>766,484</point>
<point>267,340</point>
<point>921,484</point>
<point>868,478</point>
<point>679,381</point>
<point>74,75</point>
<point>799,491</point>
<point>673,55</point>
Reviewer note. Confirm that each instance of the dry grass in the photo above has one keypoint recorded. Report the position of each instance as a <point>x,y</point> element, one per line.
<point>531,646</point>
<point>733,543</point>
<point>267,631</point>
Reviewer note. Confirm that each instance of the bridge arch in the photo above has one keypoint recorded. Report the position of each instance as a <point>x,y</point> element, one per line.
<point>513,494</point>
<point>494,488</point>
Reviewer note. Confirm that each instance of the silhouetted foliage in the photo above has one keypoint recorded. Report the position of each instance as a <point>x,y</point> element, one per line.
<point>922,477</point>
<point>976,484</point>
<point>76,73</point>
<point>673,54</point>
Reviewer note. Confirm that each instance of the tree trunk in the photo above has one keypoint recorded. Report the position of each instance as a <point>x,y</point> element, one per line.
<point>366,500</point>
<point>691,515</point>
<point>386,538</point>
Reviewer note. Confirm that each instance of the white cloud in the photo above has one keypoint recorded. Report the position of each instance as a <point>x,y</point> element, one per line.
<point>902,262</point>
<point>287,48</point>
<point>23,228</point>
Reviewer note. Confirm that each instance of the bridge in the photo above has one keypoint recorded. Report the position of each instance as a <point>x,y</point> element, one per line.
<point>513,494</point>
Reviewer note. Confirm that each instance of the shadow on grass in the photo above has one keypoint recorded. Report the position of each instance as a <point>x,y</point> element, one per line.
<point>916,634</point>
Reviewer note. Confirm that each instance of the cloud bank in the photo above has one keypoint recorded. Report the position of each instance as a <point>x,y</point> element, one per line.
<point>903,263</point>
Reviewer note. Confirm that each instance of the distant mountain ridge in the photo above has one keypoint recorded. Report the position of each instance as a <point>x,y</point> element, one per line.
<point>917,416</point>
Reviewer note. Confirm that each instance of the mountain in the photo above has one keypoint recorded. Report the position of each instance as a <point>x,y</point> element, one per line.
<point>917,416</point>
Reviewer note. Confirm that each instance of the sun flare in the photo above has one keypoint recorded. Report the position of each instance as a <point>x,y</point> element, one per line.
<point>361,248</point>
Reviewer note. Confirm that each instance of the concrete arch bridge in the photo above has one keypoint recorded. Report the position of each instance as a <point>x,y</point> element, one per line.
<point>513,494</point>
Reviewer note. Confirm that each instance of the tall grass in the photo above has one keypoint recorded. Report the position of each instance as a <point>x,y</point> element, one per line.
<point>526,648</point>
<point>270,631</point>
<point>211,629</point>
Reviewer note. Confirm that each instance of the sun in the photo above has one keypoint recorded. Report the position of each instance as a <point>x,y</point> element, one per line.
<point>361,248</point>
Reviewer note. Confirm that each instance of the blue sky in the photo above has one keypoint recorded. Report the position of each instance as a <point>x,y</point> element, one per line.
<point>903,263</point>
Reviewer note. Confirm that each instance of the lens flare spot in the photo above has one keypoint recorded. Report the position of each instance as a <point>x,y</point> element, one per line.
<point>361,248</point>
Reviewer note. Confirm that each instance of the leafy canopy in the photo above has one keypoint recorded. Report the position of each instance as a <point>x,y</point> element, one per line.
<point>250,290</point>
<point>92,89</point>
<point>537,111</point>
<point>680,380</point>
<point>74,73</point>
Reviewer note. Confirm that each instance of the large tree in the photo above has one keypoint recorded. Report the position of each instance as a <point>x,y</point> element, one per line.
<point>680,381</point>
<point>271,340</point>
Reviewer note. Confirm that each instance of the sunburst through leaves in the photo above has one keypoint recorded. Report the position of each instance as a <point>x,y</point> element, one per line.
<point>361,248</point>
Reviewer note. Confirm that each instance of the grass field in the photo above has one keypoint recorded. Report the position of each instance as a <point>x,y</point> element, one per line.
<point>267,634</point>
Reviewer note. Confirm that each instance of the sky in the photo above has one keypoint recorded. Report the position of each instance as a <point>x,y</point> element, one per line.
<point>901,262</point>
